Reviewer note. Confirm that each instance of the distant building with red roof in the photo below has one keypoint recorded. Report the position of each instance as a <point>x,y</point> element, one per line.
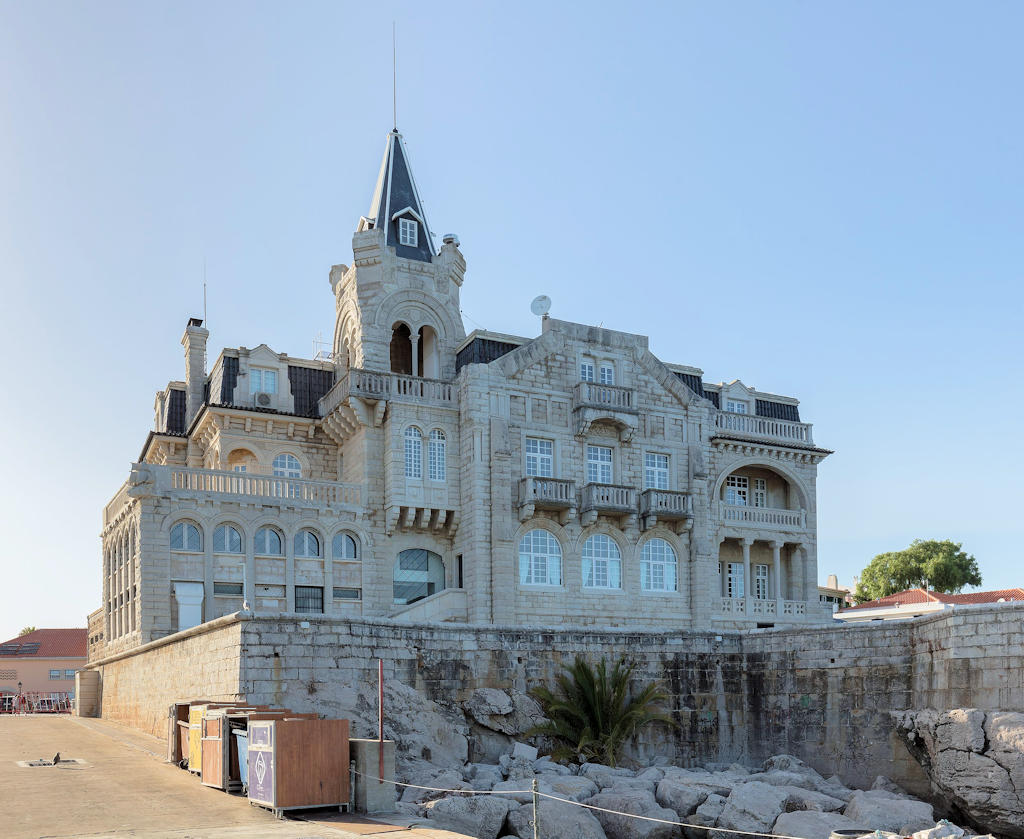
<point>915,602</point>
<point>43,661</point>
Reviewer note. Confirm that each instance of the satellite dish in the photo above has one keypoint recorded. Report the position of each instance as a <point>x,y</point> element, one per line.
<point>541,305</point>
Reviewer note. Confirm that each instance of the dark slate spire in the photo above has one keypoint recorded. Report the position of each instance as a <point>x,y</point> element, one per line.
<point>396,199</point>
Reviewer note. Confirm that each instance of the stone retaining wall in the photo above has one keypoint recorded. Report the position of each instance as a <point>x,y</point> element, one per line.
<point>823,694</point>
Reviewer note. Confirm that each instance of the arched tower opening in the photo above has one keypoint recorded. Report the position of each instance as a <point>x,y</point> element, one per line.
<point>429,351</point>
<point>401,349</point>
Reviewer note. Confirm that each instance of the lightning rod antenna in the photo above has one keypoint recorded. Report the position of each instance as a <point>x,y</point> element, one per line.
<point>394,75</point>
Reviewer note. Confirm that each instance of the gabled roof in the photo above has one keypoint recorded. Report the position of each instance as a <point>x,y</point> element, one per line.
<point>47,643</point>
<point>394,196</point>
<point>920,595</point>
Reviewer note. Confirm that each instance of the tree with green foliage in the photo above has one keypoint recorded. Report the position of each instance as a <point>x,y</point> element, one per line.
<point>26,630</point>
<point>927,564</point>
<point>591,713</point>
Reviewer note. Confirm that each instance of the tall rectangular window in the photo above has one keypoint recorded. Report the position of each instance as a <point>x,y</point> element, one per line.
<point>413,452</point>
<point>436,461</point>
<point>735,579</point>
<point>760,492</point>
<point>309,599</point>
<point>408,232</point>
<point>262,381</point>
<point>737,488</point>
<point>655,471</point>
<point>540,458</point>
<point>607,374</point>
<point>599,465</point>
<point>761,582</point>
<point>586,371</point>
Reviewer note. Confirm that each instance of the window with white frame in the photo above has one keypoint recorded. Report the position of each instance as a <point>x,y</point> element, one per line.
<point>227,540</point>
<point>737,488</point>
<point>602,562</point>
<point>345,546</point>
<point>540,559</point>
<point>69,674</point>
<point>659,565</point>
<point>734,582</point>
<point>436,463</point>
<point>343,593</point>
<point>268,542</point>
<point>586,370</point>
<point>262,380</point>
<point>408,232</point>
<point>760,492</point>
<point>735,407</point>
<point>599,465</point>
<point>540,457</point>
<point>55,674</point>
<point>607,373</point>
<point>413,452</point>
<point>761,582</point>
<point>287,466</point>
<point>307,544</point>
<point>655,471</point>
<point>185,537</point>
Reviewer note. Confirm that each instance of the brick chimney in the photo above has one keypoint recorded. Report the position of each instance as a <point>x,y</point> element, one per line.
<point>194,342</point>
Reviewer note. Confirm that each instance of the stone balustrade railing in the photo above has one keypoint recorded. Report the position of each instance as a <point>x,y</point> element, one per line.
<point>611,497</point>
<point>547,491</point>
<point>766,518</point>
<point>760,607</point>
<point>116,504</point>
<point>666,504</point>
<point>399,387</point>
<point>179,480</point>
<point>774,429</point>
<point>610,397</point>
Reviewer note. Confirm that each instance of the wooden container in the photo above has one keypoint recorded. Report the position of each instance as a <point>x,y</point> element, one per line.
<point>176,715</point>
<point>298,763</point>
<point>219,757</point>
<point>196,712</point>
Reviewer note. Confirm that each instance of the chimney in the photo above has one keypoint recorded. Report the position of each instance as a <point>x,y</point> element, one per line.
<point>833,581</point>
<point>194,342</point>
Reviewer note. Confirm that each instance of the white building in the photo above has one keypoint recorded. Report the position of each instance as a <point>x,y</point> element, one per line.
<point>423,474</point>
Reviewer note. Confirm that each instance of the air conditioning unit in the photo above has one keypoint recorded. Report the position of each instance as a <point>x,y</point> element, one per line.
<point>262,400</point>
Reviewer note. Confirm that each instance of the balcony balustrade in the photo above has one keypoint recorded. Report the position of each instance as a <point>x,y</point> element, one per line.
<point>762,518</point>
<point>666,505</point>
<point>756,607</point>
<point>610,397</point>
<point>608,499</point>
<point>546,494</point>
<point>750,425</point>
<point>396,387</point>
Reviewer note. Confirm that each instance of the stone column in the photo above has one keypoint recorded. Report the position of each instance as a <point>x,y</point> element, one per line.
<point>777,572</point>
<point>415,341</point>
<point>746,542</point>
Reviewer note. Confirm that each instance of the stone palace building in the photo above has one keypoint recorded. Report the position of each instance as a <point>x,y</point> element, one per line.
<point>422,474</point>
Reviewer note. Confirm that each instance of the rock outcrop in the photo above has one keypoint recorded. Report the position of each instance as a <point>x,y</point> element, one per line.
<point>975,762</point>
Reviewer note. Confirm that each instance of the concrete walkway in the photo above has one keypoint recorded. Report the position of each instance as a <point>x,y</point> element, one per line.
<point>123,788</point>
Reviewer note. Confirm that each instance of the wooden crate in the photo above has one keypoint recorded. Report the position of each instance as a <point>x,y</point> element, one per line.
<point>298,763</point>
<point>176,715</point>
<point>196,712</point>
<point>219,758</point>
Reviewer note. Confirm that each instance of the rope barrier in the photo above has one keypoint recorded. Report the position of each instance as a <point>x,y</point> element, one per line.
<point>508,792</point>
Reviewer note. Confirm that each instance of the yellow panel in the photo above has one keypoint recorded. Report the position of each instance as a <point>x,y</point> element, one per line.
<point>195,737</point>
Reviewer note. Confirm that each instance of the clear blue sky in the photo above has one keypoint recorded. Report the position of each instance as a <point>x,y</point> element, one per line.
<point>820,199</point>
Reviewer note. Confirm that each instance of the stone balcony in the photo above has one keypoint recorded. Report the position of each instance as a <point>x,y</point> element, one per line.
<point>656,505</point>
<point>763,428</point>
<point>610,500</point>
<point>243,487</point>
<point>547,494</point>
<point>617,405</point>
<point>755,607</point>
<point>385,387</point>
<point>762,518</point>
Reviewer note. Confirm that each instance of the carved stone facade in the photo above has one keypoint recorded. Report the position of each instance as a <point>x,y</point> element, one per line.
<point>423,475</point>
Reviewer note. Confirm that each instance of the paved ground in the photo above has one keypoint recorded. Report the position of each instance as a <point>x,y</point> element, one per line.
<point>124,789</point>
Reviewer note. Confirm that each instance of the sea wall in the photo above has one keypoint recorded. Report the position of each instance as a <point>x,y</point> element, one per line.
<point>825,694</point>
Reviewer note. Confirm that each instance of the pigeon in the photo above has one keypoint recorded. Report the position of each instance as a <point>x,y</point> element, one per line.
<point>56,759</point>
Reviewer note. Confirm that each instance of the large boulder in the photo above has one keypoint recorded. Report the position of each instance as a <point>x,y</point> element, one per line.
<point>975,762</point>
<point>424,785</point>
<point>807,799</point>
<point>498,718</point>
<point>812,824</point>
<point>481,816</point>
<point>518,789</point>
<point>604,776</point>
<point>884,811</point>
<point>574,787</point>
<point>752,806</point>
<point>634,802</point>
<point>707,814</point>
<point>680,796</point>
<point>556,821</point>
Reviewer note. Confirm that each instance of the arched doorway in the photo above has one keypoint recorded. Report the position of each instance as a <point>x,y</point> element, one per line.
<point>419,573</point>
<point>401,349</point>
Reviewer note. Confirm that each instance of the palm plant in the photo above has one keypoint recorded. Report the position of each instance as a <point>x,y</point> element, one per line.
<point>591,714</point>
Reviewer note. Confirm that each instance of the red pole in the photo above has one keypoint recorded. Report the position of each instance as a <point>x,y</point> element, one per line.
<point>380,717</point>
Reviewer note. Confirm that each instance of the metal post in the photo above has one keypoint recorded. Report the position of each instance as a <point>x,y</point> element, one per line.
<point>536,810</point>
<point>380,718</point>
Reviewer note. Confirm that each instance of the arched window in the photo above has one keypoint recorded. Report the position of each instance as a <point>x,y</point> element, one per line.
<point>227,540</point>
<point>413,452</point>
<point>602,563</point>
<point>436,456</point>
<point>185,537</point>
<point>540,559</point>
<point>242,460</point>
<point>401,349</point>
<point>307,544</point>
<point>345,546</point>
<point>268,542</point>
<point>658,566</point>
<point>418,574</point>
<point>287,466</point>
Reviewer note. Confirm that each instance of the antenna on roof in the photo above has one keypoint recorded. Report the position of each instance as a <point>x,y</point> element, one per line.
<point>394,76</point>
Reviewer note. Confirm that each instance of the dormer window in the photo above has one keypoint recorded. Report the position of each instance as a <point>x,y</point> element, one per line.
<point>735,407</point>
<point>408,232</point>
<point>262,380</point>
